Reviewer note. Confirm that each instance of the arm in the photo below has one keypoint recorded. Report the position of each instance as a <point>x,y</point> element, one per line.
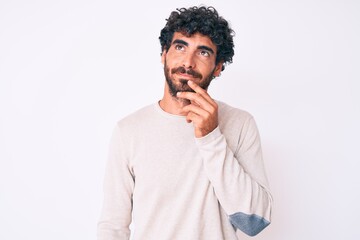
<point>238,178</point>
<point>118,187</point>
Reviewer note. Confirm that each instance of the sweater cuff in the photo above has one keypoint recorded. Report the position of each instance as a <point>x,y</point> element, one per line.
<point>212,136</point>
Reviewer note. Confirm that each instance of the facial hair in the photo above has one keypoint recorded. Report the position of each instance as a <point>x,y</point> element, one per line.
<point>183,86</point>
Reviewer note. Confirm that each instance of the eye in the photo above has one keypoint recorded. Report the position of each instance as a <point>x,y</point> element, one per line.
<point>204,53</point>
<point>179,47</point>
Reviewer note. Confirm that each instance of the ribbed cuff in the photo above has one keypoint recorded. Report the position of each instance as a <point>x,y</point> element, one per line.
<point>212,136</point>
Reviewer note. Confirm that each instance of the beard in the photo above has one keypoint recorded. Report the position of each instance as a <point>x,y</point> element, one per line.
<point>182,86</point>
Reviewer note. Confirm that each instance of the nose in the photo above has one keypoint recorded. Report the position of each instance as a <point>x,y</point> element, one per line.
<point>189,60</point>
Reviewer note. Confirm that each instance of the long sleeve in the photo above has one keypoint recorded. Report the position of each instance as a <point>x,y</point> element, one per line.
<point>238,177</point>
<point>118,188</point>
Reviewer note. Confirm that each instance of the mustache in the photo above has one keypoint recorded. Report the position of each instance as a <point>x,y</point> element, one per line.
<point>189,72</point>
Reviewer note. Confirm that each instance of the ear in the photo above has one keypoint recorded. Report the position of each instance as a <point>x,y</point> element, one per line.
<point>218,68</point>
<point>163,55</point>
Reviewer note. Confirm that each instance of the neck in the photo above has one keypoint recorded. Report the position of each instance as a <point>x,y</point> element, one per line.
<point>172,104</point>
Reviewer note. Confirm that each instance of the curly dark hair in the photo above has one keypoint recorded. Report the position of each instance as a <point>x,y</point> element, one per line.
<point>204,20</point>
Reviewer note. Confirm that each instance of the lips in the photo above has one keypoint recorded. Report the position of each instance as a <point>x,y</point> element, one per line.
<point>185,75</point>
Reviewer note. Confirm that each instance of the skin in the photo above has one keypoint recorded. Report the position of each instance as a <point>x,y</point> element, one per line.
<point>198,53</point>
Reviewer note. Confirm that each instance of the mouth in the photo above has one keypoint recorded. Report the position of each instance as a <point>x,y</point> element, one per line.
<point>187,74</point>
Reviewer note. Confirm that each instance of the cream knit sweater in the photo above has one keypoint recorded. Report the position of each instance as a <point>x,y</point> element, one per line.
<point>174,186</point>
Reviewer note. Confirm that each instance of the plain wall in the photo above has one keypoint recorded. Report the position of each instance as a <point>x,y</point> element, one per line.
<point>70,69</point>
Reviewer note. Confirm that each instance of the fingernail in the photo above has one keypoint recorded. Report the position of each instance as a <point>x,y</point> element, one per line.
<point>191,82</point>
<point>178,93</point>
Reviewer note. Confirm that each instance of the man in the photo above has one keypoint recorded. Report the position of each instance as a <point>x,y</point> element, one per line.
<point>187,167</point>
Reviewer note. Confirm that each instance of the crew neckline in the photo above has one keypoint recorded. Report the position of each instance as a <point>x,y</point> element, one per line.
<point>166,114</point>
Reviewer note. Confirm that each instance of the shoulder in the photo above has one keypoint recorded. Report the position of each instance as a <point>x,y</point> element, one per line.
<point>234,121</point>
<point>137,118</point>
<point>229,113</point>
<point>236,125</point>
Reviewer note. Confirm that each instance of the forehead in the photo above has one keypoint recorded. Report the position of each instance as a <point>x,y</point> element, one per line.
<point>195,40</point>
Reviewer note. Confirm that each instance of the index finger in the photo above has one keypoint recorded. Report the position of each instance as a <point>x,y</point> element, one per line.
<point>200,90</point>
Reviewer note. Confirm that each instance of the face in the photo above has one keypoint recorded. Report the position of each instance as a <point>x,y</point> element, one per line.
<point>190,58</point>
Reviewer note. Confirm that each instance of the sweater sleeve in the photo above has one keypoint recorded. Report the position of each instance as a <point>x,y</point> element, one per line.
<point>118,187</point>
<point>238,178</point>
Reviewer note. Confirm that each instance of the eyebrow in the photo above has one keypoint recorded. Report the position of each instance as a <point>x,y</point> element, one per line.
<point>178,41</point>
<point>203,47</point>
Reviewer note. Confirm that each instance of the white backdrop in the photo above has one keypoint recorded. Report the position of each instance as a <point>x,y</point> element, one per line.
<point>70,69</point>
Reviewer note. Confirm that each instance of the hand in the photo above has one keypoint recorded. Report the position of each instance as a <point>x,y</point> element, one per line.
<point>202,111</point>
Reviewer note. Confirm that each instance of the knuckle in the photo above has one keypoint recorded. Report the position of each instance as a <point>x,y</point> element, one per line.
<point>207,115</point>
